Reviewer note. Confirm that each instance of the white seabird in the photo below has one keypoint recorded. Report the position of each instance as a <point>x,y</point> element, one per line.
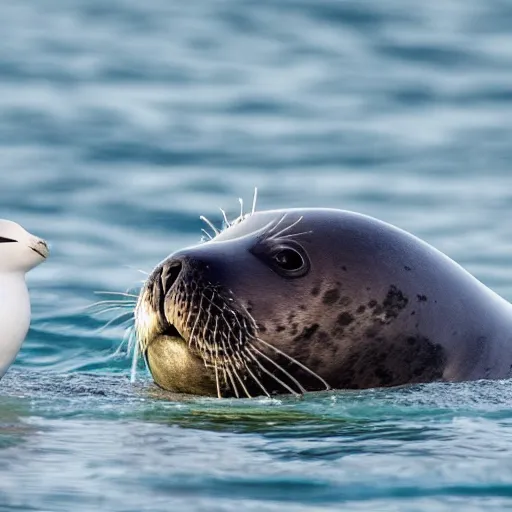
<point>20,252</point>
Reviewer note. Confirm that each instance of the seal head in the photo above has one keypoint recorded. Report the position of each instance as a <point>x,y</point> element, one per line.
<point>311,299</point>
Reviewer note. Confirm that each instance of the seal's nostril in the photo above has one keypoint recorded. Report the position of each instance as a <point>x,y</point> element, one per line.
<point>169,275</point>
<point>162,280</point>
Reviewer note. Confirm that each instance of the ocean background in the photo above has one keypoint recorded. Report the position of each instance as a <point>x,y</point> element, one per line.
<point>121,122</point>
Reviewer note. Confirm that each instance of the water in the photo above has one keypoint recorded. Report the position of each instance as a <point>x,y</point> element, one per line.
<point>121,122</point>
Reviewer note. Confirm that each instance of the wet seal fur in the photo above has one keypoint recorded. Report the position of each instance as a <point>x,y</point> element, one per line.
<point>288,301</point>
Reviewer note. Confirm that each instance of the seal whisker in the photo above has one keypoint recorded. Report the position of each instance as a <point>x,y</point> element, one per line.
<point>254,200</point>
<point>275,226</point>
<point>196,320</point>
<point>277,379</point>
<point>220,309</point>
<point>135,360</point>
<point>212,346</point>
<point>210,224</point>
<point>112,321</point>
<point>137,269</point>
<point>113,301</point>
<point>226,323</point>
<point>248,369</point>
<point>205,330</point>
<point>230,365</point>
<point>214,337</point>
<point>293,360</point>
<point>131,338</point>
<point>237,355</point>
<point>241,201</point>
<point>126,337</point>
<point>240,380</point>
<point>217,380</point>
<point>285,229</point>
<point>210,237</point>
<point>226,354</point>
<point>259,352</point>
<point>224,374</point>
<point>123,294</point>
<point>124,322</point>
<point>235,389</point>
<point>113,308</point>
<point>187,321</point>
<point>293,235</point>
<point>225,217</point>
<point>110,303</point>
<point>219,393</point>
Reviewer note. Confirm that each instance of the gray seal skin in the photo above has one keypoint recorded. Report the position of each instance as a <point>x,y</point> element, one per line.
<point>288,301</point>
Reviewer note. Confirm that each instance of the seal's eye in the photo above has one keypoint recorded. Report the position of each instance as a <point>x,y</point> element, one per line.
<point>288,260</point>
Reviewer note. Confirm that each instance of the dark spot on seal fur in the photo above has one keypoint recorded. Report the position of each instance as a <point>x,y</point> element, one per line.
<point>331,296</point>
<point>385,362</point>
<point>295,329</point>
<point>394,302</point>
<point>307,332</point>
<point>344,268</point>
<point>315,291</point>
<point>280,328</point>
<point>407,269</point>
<point>361,309</point>
<point>262,328</point>
<point>378,310</point>
<point>291,316</point>
<point>322,336</point>
<point>345,301</point>
<point>372,303</point>
<point>422,298</point>
<point>344,319</point>
<point>302,307</point>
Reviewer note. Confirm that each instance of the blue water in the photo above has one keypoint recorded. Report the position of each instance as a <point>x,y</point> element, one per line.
<point>122,121</point>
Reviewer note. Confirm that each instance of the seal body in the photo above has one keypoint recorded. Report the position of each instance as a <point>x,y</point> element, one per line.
<point>307,299</point>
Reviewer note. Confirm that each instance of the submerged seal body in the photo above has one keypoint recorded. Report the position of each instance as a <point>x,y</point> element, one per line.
<point>287,301</point>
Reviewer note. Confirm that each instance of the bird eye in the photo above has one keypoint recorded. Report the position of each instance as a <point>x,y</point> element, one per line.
<point>288,259</point>
<point>4,240</point>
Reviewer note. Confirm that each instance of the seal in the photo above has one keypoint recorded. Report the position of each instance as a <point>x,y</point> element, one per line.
<point>288,301</point>
<point>19,252</point>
